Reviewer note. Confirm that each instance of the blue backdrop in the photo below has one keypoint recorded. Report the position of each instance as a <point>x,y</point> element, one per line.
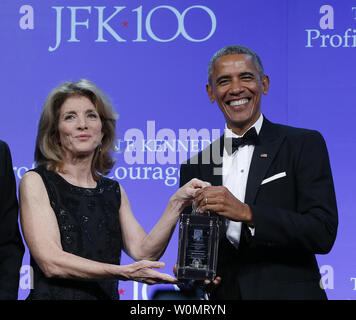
<point>151,58</point>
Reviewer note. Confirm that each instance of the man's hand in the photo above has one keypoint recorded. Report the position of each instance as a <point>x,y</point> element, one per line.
<point>210,286</point>
<point>223,202</point>
<point>207,285</point>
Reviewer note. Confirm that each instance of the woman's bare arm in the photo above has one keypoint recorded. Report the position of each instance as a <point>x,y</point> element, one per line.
<point>41,233</point>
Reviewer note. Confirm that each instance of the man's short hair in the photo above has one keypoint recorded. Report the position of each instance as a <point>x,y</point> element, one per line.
<point>235,49</point>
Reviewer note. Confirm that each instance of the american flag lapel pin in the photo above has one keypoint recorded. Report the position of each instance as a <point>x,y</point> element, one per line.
<point>263,155</point>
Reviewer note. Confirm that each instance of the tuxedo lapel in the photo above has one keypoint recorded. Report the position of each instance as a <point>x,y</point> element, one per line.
<point>211,171</point>
<point>211,168</point>
<point>263,155</point>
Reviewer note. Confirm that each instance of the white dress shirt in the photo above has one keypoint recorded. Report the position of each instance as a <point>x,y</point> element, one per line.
<point>235,173</point>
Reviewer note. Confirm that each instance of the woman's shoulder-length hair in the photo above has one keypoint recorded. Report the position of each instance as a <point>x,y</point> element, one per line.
<point>48,150</point>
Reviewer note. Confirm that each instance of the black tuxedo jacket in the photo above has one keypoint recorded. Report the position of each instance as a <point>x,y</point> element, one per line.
<point>291,194</point>
<point>11,246</point>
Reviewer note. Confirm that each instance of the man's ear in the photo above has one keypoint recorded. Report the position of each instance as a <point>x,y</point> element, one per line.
<point>209,90</point>
<point>265,84</point>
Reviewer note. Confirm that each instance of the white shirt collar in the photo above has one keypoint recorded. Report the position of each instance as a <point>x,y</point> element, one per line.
<point>258,125</point>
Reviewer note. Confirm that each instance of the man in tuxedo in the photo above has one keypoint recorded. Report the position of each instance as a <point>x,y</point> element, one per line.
<point>271,185</point>
<point>11,245</point>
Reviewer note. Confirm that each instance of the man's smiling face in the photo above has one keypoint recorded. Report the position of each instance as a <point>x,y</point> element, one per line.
<point>237,87</point>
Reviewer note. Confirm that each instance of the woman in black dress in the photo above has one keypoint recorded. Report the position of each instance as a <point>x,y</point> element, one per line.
<point>74,220</point>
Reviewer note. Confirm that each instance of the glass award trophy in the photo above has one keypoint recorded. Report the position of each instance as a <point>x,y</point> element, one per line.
<point>198,246</point>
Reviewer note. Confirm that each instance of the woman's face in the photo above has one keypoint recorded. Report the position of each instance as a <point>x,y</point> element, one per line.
<point>79,126</point>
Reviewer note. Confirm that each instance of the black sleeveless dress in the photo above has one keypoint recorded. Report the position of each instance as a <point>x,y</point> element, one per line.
<point>88,221</point>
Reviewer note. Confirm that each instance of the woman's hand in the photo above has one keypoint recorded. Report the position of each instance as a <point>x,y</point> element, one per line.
<point>186,193</point>
<point>141,271</point>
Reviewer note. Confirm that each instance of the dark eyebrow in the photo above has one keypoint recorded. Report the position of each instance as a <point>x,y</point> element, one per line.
<point>246,73</point>
<point>223,77</point>
<point>242,74</point>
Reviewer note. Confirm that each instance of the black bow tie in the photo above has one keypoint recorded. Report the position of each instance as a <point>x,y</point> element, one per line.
<point>249,138</point>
